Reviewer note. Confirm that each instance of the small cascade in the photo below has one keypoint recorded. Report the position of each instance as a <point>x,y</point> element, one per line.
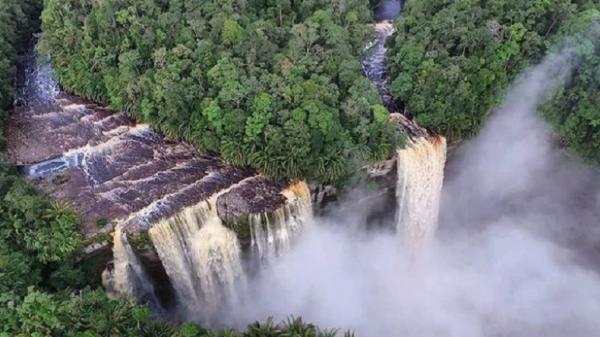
<point>420,178</point>
<point>201,258</point>
<point>80,157</point>
<point>127,278</point>
<point>386,12</point>
<point>374,63</point>
<point>37,85</point>
<point>272,233</point>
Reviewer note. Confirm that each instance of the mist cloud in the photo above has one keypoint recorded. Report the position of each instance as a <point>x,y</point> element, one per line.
<point>514,255</point>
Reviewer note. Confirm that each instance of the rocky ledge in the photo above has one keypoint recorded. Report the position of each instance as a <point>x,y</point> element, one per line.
<point>113,170</point>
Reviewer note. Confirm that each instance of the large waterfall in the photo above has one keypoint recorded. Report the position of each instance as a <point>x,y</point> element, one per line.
<point>196,212</point>
<point>420,165</point>
<point>202,257</point>
<point>418,190</point>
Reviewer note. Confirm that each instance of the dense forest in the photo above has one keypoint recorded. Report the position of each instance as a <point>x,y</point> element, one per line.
<point>273,84</point>
<point>451,61</point>
<point>276,85</point>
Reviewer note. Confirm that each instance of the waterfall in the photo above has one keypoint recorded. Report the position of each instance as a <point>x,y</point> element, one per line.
<point>121,172</point>
<point>127,277</point>
<point>272,233</point>
<point>420,165</point>
<point>418,190</point>
<point>201,258</point>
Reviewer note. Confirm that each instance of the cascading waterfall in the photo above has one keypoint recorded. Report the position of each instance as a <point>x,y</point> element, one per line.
<point>418,190</point>
<point>127,277</point>
<point>201,258</point>
<point>80,156</point>
<point>420,165</point>
<point>272,233</point>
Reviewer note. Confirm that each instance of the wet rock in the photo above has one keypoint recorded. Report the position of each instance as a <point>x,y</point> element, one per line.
<point>410,128</point>
<point>322,196</point>
<point>255,196</point>
<point>116,171</point>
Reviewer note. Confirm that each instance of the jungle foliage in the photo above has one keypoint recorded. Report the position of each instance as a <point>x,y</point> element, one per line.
<point>273,84</point>
<point>451,61</point>
<point>575,110</point>
<point>35,234</point>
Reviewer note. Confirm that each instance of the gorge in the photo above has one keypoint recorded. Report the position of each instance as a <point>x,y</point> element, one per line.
<point>487,237</point>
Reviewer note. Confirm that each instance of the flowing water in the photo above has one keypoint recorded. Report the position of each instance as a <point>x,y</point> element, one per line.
<point>202,259</point>
<point>374,62</point>
<point>127,276</point>
<point>420,164</point>
<point>272,233</point>
<point>418,190</point>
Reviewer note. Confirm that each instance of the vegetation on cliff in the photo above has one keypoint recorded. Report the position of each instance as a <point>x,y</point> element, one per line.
<point>276,85</point>
<point>450,62</point>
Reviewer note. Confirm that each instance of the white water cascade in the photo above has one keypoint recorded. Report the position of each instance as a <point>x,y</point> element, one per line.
<point>418,190</point>
<point>374,63</point>
<point>201,258</point>
<point>127,277</point>
<point>420,165</point>
<point>272,233</point>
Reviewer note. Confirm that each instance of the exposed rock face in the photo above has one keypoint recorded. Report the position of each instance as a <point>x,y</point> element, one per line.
<point>410,128</point>
<point>258,195</point>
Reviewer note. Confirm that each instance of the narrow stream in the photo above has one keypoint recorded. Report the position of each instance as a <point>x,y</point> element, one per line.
<point>374,61</point>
